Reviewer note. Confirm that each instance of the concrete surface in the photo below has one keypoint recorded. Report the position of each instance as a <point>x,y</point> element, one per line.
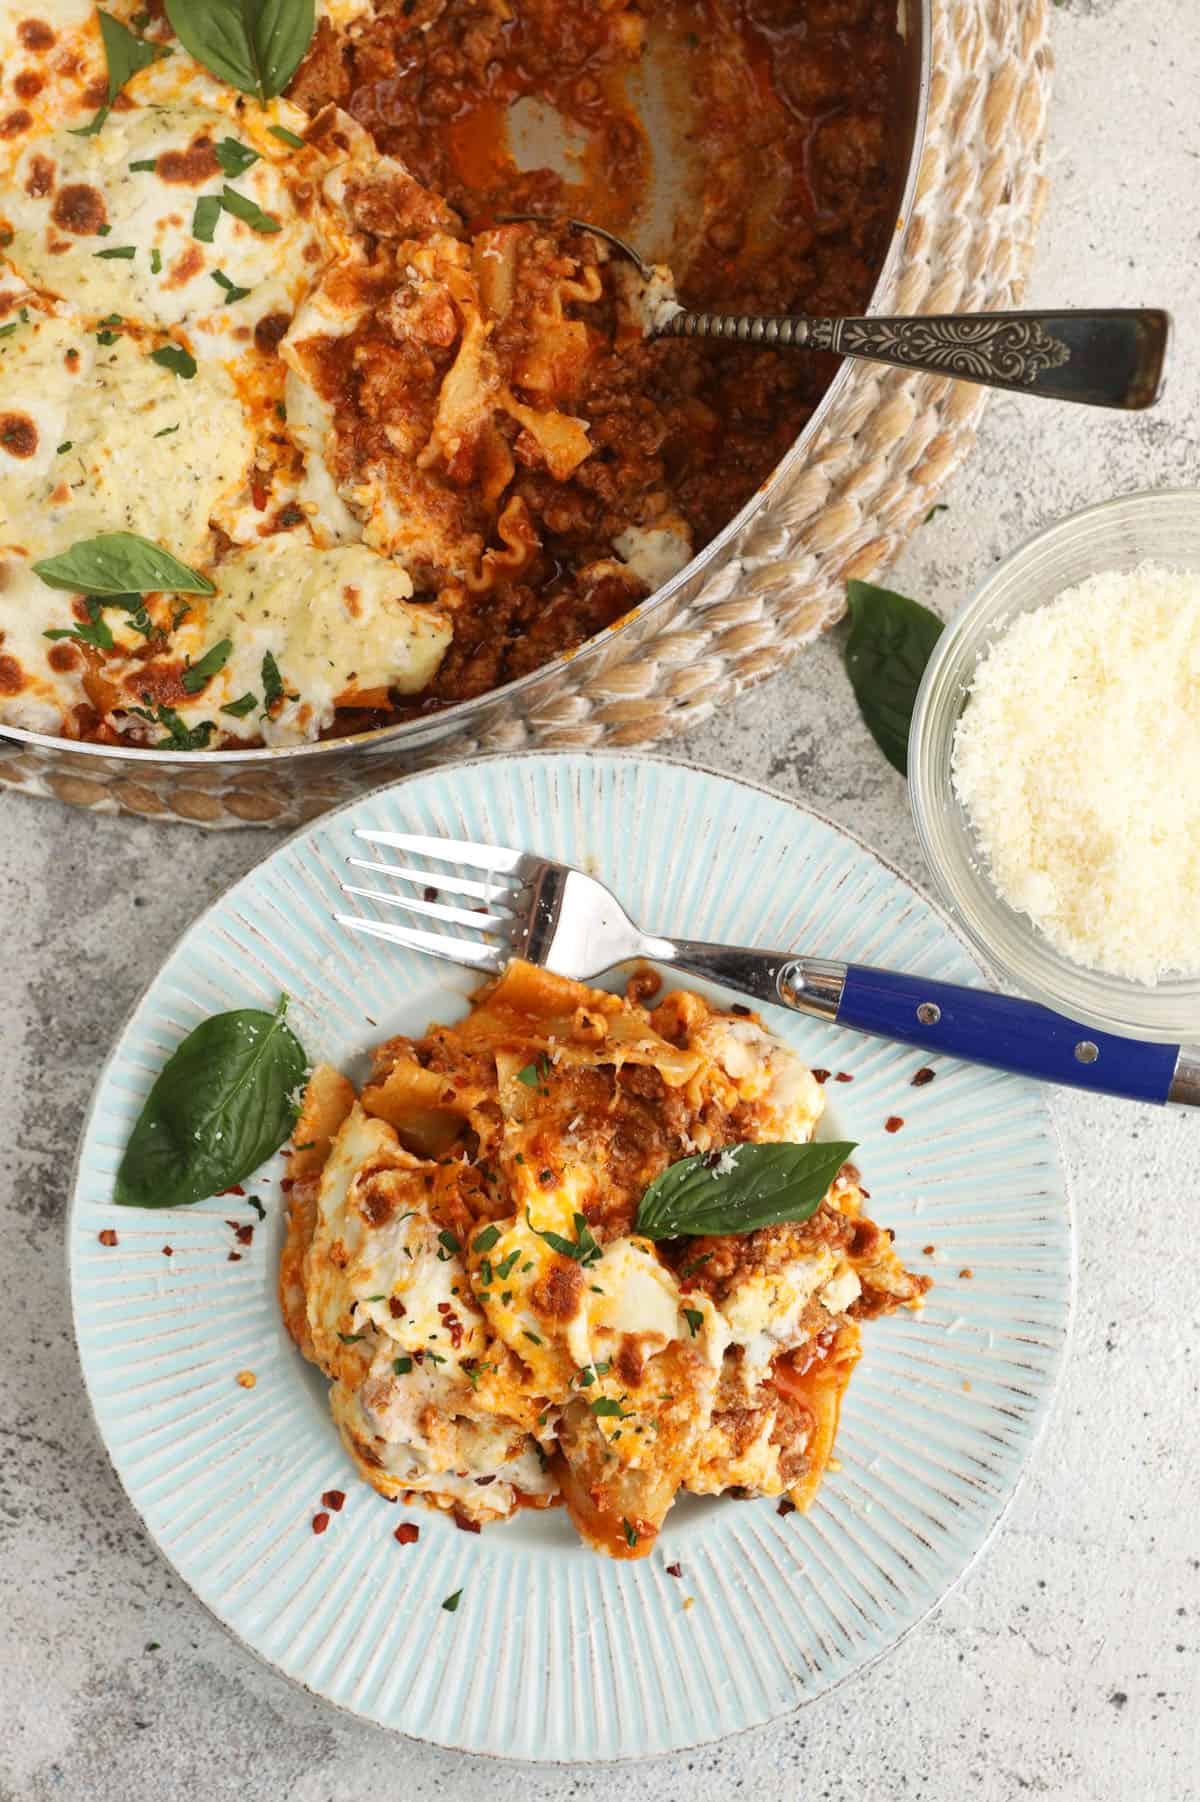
<point>1066,1665</point>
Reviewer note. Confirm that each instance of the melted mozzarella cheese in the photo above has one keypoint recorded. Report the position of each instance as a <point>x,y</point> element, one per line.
<point>64,67</point>
<point>654,553</point>
<point>122,443</point>
<point>73,201</point>
<point>336,621</point>
<point>790,1099</point>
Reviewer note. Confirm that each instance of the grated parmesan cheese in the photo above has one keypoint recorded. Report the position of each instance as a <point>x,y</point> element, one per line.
<point>1078,761</point>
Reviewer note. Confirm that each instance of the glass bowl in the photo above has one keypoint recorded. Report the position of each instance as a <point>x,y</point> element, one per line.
<point>1160,527</point>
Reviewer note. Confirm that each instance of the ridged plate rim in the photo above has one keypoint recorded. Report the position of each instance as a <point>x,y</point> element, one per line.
<point>956,960</point>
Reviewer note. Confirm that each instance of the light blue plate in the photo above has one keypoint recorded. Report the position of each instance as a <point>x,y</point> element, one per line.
<point>553,1652</point>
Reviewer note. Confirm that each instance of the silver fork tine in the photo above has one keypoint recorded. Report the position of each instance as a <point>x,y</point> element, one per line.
<point>455,916</point>
<point>450,850</point>
<point>455,951</point>
<point>494,892</point>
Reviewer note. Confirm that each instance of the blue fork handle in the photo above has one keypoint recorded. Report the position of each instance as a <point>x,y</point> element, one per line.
<point>984,1027</point>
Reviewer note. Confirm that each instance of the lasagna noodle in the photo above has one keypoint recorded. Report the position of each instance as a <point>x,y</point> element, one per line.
<point>427,1266</point>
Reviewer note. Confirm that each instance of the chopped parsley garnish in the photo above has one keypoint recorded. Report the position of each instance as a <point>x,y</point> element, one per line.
<point>605,1405</point>
<point>248,211</point>
<point>434,1357</point>
<point>104,231</point>
<point>119,253</point>
<point>694,1264</point>
<point>156,261</point>
<point>402,1366</point>
<point>6,331</point>
<point>107,337</point>
<point>146,162</point>
<point>272,681</point>
<point>583,1247</point>
<point>695,1320</point>
<point>285,136</point>
<point>233,157</point>
<point>166,431</point>
<point>536,1072</point>
<point>232,291</point>
<point>181,737</point>
<point>486,1239</point>
<point>504,1268</point>
<point>351,1338</point>
<point>531,1336</point>
<point>173,357</point>
<point>257,1205</point>
<point>240,708</point>
<point>631,1537</point>
<point>66,445</point>
<point>204,219</point>
<point>450,1246</point>
<point>197,674</point>
<point>587,1376</point>
<point>95,632</point>
<point>451,1602</point>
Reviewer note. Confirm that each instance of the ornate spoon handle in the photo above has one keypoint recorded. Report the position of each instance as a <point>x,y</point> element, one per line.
<point>1102,358</point>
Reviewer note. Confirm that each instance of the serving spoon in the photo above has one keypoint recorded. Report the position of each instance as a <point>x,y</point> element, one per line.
<point>1100,357</point>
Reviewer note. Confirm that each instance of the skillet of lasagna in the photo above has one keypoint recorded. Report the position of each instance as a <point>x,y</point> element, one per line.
<point>398,450</point>
<point>462,1262</point>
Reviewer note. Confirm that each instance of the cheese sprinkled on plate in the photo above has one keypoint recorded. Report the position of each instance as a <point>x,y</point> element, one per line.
<point>1078,761</point>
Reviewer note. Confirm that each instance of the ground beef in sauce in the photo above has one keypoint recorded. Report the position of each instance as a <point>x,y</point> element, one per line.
<point>801,179</point>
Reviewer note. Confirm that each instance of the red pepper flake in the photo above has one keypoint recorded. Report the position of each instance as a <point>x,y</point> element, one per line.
<point>928,1250</point>
<point>335,1499</point>
<point>395,1307</point>
<point>320,1522</point>
<point>674,1570</point>
<point>893,1123</point>
<point>235,1257</point>
<point>234,1189</point>
<point>464,1525</point>
<point>407,1533</point>
<point>786,1505</point>
<point>168,1251</point>
<point>966,1273</point>
<point>843,1076</point>
<point>107,1237</point>
<point>820,1076</point>
<point>244,1235</point>
<point>430,894</point>
<point>923,1075</point>
<point>287,1183</point>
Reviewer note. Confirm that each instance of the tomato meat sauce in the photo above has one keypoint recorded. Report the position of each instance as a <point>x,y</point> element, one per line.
<point>795,163</point>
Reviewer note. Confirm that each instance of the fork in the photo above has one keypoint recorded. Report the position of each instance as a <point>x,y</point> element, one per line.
<point>519,905</point>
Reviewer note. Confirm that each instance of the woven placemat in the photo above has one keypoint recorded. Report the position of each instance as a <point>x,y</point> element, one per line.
<point>874,468</point>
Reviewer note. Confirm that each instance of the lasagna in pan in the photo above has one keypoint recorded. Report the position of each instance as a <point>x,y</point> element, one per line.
<point>464,1263</point>
<point>376,447</point>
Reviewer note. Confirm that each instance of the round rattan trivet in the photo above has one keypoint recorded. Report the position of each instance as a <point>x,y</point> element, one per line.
<point>887,444</point>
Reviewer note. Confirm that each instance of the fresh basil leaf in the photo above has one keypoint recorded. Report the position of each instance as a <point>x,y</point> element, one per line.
<point>241,707</point>
<point>223,1102</point>
<point>183,738</point>
<point>125,54</point>
<point>245,209</point>
<point>891,639</point>
<point>197,674</point>
<point>739,1190</point>
<point>179,361</point>
<point>255,45</point>
<point>120,563</point>
<point>204,217</point>
<point>234,158</point>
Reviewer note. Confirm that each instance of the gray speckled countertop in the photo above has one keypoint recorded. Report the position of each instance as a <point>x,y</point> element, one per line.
<point>1066,1665</point>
